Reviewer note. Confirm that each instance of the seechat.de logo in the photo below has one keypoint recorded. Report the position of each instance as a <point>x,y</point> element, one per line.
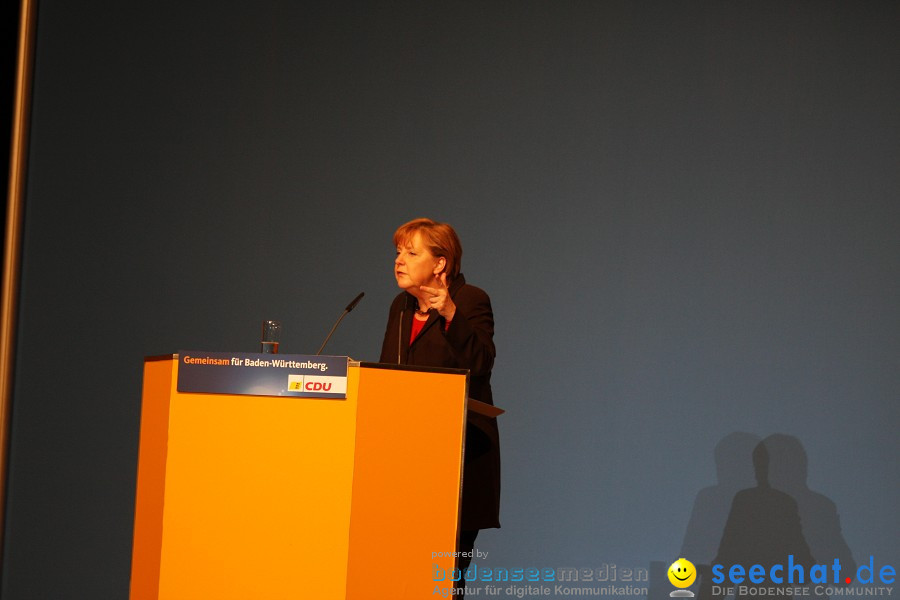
<point>791,572</point>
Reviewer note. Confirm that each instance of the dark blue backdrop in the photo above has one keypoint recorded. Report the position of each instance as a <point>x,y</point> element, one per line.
<point>686,215</point>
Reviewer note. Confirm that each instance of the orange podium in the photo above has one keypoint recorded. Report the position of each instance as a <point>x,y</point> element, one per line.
<point>280,497</point>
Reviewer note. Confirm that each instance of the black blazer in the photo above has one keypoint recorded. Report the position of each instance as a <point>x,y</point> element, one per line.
<point>467,344</point>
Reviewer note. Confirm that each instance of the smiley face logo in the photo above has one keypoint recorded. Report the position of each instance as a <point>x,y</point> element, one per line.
<point>682,573</point>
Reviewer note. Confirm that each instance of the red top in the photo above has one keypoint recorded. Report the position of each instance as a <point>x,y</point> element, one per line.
<point>417,327</point>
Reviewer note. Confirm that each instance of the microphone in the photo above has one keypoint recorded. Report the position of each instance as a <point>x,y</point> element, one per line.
<point>353,304</point>
<point>350,307</point>
<point>400,335</point>
<point>409,301</point>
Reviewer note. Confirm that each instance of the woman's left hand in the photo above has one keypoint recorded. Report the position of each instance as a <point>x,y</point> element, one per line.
<point>439,298</point>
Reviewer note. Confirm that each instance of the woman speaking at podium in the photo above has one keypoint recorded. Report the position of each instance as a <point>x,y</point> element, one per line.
<point>439,320</point>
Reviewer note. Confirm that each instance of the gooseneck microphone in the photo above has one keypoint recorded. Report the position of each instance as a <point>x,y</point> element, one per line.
<point>350,307</point>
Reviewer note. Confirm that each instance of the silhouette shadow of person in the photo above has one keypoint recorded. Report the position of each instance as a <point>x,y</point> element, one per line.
<point>734,472</point>
<point>763,528</point>
<point>818,514</point>
<point>734,523</point>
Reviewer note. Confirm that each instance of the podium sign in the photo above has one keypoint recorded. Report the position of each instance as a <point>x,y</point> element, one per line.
<point>248,374</point>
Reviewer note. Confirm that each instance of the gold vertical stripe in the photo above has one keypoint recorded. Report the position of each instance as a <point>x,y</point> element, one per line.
<point>15,202</point>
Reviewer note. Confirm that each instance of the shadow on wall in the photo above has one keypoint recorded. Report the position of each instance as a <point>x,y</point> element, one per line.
<point>737,522</point>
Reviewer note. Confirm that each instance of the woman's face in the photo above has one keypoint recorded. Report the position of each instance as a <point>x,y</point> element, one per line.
<point>415,265</point>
